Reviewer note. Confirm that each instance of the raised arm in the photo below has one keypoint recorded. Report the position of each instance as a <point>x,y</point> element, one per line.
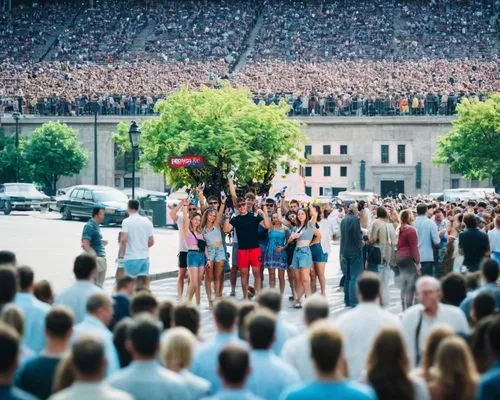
<point>266,223</point>
<point>173,212</point>
<point>314,216</point>
<point>232,191</point>
<point>227,226</point>
<point>220,213</point>
<point>185,222</point>
<point>284,221</point>
<point>201,197</point>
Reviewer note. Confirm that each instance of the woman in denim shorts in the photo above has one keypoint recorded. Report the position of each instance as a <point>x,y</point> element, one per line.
<point>196,257</point>
<point>320,247</point>
<point>216,255</point>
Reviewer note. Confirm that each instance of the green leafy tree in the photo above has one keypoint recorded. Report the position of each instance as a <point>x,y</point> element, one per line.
<point>9,157</point>
<point>472,147</point>
<point>228,129</point>
<point>54,151</point>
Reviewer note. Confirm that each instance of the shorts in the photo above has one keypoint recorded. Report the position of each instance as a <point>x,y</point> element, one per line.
<point>317,253</point>
<point>216,254</point>
<point>302,257</point>
<point>183,259</point>
<point>234,254</point>
<point>196,259</point>
<point>249,258</point>
<point>136,268</point>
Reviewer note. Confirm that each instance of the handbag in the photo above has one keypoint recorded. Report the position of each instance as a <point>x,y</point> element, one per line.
<point>202,244</point>
<point>374,256</point>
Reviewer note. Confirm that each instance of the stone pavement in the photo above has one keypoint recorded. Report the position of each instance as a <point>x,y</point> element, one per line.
<point>167,288</point>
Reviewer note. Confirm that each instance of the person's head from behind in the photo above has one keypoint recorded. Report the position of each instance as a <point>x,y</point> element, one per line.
<point>166,313</point>
<point>89,362</point>
<point>437,334</point>
<point>126,286</point>
<point>177,350</point>
<point>234,366</point>
<point>43,291</point>
<point>406,217</point>
<point>454,288</point>
<point>270,299</point>
<point>85,267</point>
<point>132,207</point>
<point>327,350</point>
<point>13,316</point>
<point>484,357</point>
<point>245,309</point>
<point>143,302</point>
<point>225,315</point>
<point>59,324</point>
<point>188,316</point>
<point>494,337</point>
<point>421,209</point>
<point>261,329</point>
<point>483,305</point>
<point>490,271</point>
<point>382,212</point>
<point>9,349</point>
<point>428,292</point>
<point>100,306</point>
<point>8,284</point>
<point>470,220</point>
<point>7,258</point>
<point>120,333</point>
<point>369,287</point>
<point>143,337</point>
<point>98,214</point>
<point>26,278</point>
<point>316,308</point>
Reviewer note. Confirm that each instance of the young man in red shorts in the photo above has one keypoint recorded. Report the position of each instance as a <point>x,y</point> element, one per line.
<point>249,254</point>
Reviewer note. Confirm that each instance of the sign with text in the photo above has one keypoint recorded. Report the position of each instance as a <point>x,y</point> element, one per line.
<point>186,162</point>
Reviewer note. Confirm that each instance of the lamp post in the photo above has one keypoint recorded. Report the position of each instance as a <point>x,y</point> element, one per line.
<point>94,108</point>
<point>134,135</point>
<point>16,117</point>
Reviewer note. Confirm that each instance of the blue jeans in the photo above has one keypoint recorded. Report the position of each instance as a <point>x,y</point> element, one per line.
<point>352,267</point>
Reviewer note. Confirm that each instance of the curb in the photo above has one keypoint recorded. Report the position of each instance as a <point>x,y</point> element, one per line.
<point>153,277</point>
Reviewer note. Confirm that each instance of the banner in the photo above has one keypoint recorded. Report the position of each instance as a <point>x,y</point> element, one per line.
<point>185,162</point>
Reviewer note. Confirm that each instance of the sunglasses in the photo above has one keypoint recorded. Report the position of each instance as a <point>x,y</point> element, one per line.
<point>192,209</point>
<point>242,205</point>
<point>213,202</point>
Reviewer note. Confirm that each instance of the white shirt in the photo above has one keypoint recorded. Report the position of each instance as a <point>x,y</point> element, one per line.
<point>297,353</point>
<point>75,297</point>
<point>139,230</point>
<point>90,390</point>
<point>494,237</point>
<point>326,228</point>
<point>359,328</point>
<point>446,314</point>
<point>334,220</point>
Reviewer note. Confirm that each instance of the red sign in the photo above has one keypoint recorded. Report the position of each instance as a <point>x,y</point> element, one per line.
<point>186,162</point>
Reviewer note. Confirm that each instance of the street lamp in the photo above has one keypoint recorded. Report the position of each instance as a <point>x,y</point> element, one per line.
<point>134,135</point>
<point>16,117</point>
<point>94,108</point>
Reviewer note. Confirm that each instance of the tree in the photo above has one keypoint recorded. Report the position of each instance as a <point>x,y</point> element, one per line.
<point>472,147</point>
<point>54,151</point>
<point>8,158</point>
<point>228,129</point>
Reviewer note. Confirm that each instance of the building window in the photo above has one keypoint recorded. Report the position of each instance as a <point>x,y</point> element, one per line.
<point>327,149</point>
<point>343,149</point>
<point>308,190</point>
<point>307,150</point>
<point>401,154</point>
<point>118,182</point>
<point>127,182</point>
<point>384,154</point>
<point>455,183</point>
<point>343,171</point>
<point>321,191</point>
<point>326,171</point>
<point>308,171</point>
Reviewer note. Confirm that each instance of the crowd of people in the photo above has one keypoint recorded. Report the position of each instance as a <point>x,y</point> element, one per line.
<point>444,345</point>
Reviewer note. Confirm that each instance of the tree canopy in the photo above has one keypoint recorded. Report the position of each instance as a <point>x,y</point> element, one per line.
<point>472,147</point>
<point>54,151</point>
<point>224,126</point>
<point>8,160</point>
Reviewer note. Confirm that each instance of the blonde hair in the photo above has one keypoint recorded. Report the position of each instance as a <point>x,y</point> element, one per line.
<point>177,350</point>
<point>204,218</point>
<point>455,373</point>
<point>14,317</point>
<point>406,217</point>
<point>436,336</point>
<point>65,374</point>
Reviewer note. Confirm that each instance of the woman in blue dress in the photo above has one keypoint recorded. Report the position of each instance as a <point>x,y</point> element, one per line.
<point>275,254</point>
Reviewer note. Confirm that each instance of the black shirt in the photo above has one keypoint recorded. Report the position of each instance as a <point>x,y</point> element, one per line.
<point>37,375</point>
<point>474,244</point>
<point>247,230</point>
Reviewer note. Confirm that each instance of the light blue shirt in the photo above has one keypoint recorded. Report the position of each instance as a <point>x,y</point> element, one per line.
<point>345,390</point>
<point>492,288</point>
<point>234,394</point>
<point>270,375</point>
<point>427,232</point>
<point>92,326</point>
<point>75,297</point>
<point>206,360</point>
<point>148,380</point>
<point>34,320</point>
<point>284,331</point>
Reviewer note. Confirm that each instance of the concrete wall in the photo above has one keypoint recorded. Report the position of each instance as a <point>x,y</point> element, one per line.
<point>363,136</point>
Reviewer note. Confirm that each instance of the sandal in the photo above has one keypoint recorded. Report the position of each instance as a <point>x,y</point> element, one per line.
<point>297,306</point>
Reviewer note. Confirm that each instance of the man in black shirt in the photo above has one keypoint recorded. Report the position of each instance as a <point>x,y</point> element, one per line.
<point>473,244</point>
<point>249,253</point>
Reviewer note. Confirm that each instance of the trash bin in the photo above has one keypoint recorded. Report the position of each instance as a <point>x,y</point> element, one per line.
<point>158,207</point>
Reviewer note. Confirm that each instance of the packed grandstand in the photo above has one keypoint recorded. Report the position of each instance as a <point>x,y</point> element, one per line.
<point>330,57</point>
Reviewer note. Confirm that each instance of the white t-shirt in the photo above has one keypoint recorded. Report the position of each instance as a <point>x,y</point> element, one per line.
<point>139,230</point>
<point>494,237</point>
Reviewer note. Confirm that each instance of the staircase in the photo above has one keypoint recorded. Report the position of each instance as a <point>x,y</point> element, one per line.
<point>139,43</point>
<point>250,44</point>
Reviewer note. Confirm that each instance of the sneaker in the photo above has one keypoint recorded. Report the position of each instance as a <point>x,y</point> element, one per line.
<point>233,293</point>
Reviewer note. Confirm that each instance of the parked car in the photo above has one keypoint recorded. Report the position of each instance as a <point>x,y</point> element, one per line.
<point>21,197</point>
<point>80,200</point>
